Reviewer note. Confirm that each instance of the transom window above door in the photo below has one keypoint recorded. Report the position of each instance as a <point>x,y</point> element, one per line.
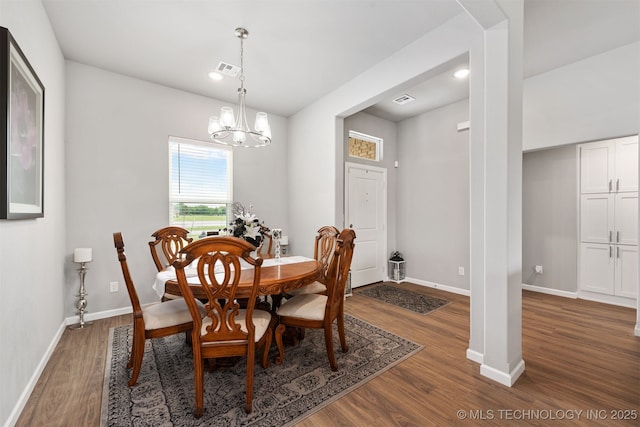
<point>363,146</point>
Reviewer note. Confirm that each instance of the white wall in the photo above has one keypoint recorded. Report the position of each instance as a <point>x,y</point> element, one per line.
<point>32,252</point>
<point>433,195</point>
<point>596,98</point>
<point>549,218</point>
<point>117,173</point>
<point>314,157</point>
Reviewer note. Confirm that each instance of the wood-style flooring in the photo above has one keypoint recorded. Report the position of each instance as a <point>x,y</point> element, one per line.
<point>582,368</point>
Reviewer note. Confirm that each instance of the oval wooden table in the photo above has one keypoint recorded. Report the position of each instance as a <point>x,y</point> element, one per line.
<point>274,279</point>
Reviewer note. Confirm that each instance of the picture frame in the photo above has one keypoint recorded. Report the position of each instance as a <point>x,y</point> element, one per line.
<point>21,134</point>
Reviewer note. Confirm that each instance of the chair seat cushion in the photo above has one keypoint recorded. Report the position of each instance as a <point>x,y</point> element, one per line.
<point>169,313</point>
<point>261,321</point>
<point>305,306</point>
<point>313,288</point>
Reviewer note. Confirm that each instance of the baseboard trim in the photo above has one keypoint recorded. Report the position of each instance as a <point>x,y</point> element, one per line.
<point>31,384</point>
<point>475,356</point>
<point>99,315</point>
<point>636,331</point>
<point>607,299</point>
<point>508,379</point>
<point>550,291</point>
<point>442,287</point>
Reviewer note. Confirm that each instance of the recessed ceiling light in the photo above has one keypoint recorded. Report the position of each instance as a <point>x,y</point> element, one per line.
<point>215,75</point>
<point>461,73</point>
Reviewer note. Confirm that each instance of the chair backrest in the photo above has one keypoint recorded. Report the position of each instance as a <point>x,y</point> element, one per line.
<point>266,245</point>
<point>325,247</point>
<point>339,271</point>
<point>170,240</point>
<point>218,265</point>
<point>131,289</point>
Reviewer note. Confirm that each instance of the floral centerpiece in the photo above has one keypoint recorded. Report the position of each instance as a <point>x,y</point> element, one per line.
<point>246,225</point>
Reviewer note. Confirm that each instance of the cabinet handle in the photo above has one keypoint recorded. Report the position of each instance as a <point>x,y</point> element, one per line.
<point>610,251</point>
<point>617,236</point>
<point>610,185</point>
<point>618,184</point>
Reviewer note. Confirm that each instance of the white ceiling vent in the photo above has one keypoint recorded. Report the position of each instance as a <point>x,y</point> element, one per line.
<point>228,69</point>
<point>404,99</point>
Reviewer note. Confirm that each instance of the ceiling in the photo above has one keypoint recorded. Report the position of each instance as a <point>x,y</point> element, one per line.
<point>299,50</point>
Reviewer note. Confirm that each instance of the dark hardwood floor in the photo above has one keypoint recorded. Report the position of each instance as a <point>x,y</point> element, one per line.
<point>582,368</point>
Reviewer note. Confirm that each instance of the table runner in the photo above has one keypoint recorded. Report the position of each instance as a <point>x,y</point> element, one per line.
<point>170,273</point>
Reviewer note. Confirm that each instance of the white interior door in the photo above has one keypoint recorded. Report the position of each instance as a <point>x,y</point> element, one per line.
<point>365,212</point>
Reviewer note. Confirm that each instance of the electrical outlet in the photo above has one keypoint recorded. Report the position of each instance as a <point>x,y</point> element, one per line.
<point>538,269</point>
<point>460,271</point>
<point>113,286</point>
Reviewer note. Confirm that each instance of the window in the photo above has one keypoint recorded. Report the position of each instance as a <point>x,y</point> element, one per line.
<point>364,146</point>
<point>200,185</point>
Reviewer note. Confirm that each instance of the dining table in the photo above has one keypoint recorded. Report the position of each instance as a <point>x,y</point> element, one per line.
<point>278,276</point>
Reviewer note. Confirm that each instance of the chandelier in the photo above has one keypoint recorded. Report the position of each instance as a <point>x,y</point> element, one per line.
<point>228,130</point>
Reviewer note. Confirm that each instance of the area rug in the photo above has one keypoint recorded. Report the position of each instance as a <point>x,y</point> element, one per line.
<point>413,301</point>
<point>283,394</point>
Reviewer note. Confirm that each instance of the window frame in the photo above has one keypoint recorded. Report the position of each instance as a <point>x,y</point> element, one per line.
<point>193,199</point>
<point>368,138</point>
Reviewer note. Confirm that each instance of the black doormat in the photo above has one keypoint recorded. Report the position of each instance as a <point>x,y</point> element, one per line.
<point>409,300</point>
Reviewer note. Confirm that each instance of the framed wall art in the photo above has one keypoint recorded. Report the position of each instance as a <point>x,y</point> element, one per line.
<point>21,134</point>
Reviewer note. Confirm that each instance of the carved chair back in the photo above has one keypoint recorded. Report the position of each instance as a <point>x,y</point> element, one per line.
<point>168,243</point>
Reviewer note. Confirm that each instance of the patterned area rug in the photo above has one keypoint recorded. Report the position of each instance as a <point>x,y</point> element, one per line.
<point>283,395</point>
<point>413,301</point>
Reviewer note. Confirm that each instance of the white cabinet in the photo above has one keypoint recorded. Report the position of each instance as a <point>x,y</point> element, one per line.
<point>608,252</point>
<point>609,218</point>
<point>609,166</point>
<point>626,274</point>
<point>597,218</point>
<point>626,164</point>
<point>597,268</point>
<point>626,219</point>
<point>609,269</point>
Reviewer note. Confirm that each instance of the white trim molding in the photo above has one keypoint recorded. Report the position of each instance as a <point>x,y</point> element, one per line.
<point>502,377</point>
<point>100,315</point>
<point>442,287</point>
<point>474,356</point>
<point>550,291</point>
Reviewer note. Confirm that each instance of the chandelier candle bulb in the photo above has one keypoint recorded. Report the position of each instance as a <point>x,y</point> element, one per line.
<point>227,118</point>
<point>214,124</point>
<point>261,122</point>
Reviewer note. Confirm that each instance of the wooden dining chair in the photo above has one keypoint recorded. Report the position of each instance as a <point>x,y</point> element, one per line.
<point>266,245</point>
<point>320,311</point>
<point>151,321</point>
<point>325,245</point>
<point>226,330</point>
<point>167,245</point>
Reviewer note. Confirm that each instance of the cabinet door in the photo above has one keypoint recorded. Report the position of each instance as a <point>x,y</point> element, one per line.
<point>626,283</point>
<point>626,219</point>
<point>596,218</point>
<point>626,164</point>
<point>597,267</point>
<point>596,167</point>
